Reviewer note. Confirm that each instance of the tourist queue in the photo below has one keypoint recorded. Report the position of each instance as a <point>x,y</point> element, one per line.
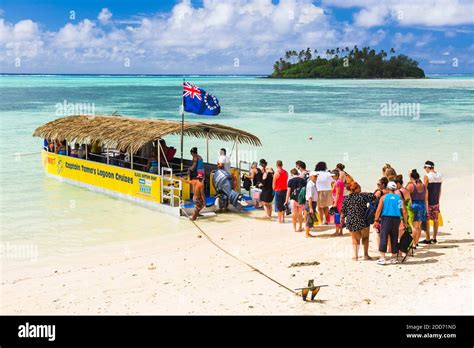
<point>315,196</point>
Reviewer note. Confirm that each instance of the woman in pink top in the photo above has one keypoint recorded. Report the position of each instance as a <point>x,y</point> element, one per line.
<point>338,197</point>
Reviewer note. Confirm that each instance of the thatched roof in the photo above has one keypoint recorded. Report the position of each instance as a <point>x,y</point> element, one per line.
<point>130,134</point>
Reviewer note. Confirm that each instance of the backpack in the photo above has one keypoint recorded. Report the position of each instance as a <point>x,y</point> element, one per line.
<point>247,183</point>
<point>406,241</point>
<point>295,193</point>
<point>369,215</point>
<point>301,198</point>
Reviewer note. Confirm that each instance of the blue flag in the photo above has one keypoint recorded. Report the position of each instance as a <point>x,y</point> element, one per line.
<point>198,101</point>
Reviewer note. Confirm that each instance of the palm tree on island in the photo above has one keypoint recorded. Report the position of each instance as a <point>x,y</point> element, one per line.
<point>346,63</point>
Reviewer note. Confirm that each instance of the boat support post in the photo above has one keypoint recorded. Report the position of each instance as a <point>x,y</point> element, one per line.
<point>237,184</point>
<point>158,148</point>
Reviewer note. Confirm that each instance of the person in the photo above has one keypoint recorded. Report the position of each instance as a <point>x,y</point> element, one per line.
<point>379,192</point>
<point>353,211</point>
<point>432,181</point>
<point>342,174</point>
<point>405,196</point>
<point>419,202</point>
<point>280,186</point>
<point>301,167</point>
<point>167,153</point>
<point>52,145</point>
<point>46,143</point>
<point>338,197</point>
<point>311,203</point>
<point>323,185</point>
<point>82,152</point>
<point>253,172</point>
<point>152,165</point>
<point>266,197</point>
<point>388,171</point>
<point>198,164</point>
<point>224,159</point>
<point>406,201</point>
<point>199,197</point>
<point>75,151</point>
<point>295,185</point>
<point>61,148</point>
<point>388,214</point>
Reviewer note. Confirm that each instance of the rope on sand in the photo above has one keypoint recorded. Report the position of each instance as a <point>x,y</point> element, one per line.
<point>253,268</point>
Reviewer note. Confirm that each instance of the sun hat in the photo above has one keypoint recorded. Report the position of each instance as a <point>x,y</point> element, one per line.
<point>313,173</point>
<point>391,185</point>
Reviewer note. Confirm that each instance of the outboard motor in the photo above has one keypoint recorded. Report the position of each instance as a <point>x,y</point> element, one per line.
<point>222,181</point>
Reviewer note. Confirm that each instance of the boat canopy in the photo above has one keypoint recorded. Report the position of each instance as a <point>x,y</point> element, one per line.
<point>130,134</point>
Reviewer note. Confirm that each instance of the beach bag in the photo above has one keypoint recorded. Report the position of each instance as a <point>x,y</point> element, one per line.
<point>302,196</point>
<point>256,194</point>
<point>440,221</point>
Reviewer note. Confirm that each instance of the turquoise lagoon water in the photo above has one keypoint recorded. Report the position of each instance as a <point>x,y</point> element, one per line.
<point>313,120</point>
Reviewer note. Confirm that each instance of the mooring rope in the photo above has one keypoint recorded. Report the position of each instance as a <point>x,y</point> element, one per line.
<point>26,154</point>
<point>237,258</point>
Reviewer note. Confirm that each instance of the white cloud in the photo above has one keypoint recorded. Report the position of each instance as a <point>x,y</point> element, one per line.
<point>400,39</point>
<point>203,37</point>
<point>371,16</point>
<point>195,39</point>
<point>20,40</point>
<point>105,15</point>
<point>409,12</point>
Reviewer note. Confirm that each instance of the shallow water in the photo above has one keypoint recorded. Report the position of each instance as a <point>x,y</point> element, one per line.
<point>313,120</point>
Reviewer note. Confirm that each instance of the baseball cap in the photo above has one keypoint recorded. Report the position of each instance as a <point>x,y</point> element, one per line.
<point>391,185</point>
<point>313,173</point>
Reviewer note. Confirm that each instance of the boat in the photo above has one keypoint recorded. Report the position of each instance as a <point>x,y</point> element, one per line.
<point>119,168</point>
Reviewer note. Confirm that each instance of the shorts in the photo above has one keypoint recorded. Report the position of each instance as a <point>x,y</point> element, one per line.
<point>296,206</point>
<point>419,210</point>
<point>324,199</point>
<point>280,197</point>
<point>433,211</point>
<point>310,218</point>
<point>198,205</point>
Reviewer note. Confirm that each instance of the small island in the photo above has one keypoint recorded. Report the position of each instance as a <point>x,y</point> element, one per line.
<point>347,63</point>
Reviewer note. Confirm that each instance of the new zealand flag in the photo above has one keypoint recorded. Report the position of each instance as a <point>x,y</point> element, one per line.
<point>198,101</point>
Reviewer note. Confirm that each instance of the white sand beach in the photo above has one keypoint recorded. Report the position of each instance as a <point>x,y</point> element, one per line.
<point>191,276</point>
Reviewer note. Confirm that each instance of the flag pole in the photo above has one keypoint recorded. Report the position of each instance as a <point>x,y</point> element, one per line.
<point>182,126</point>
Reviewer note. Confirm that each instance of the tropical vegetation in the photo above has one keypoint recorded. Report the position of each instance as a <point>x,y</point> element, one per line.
<point>346,63</point>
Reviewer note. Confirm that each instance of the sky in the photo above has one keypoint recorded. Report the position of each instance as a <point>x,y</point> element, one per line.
<point>225,36</point>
